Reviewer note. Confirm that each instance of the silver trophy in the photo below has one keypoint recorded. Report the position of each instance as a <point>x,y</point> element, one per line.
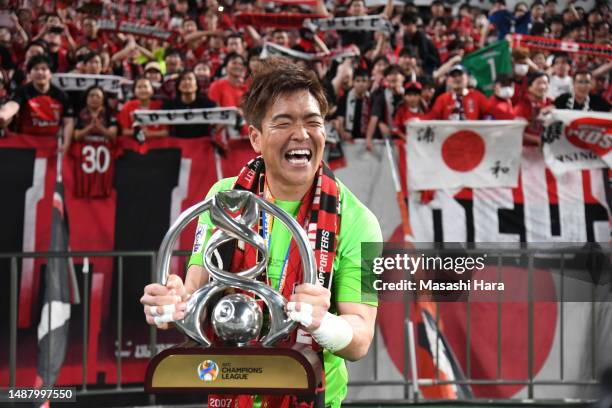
<point>236,318</point>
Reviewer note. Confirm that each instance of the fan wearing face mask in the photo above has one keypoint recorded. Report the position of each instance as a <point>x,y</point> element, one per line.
<point>502,97</point>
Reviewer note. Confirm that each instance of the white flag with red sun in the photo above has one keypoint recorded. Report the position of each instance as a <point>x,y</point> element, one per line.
<point>444,154</point>
<point>578,140</point>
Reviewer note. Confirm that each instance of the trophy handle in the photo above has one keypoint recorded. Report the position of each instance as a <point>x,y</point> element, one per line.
<point>230,228</point>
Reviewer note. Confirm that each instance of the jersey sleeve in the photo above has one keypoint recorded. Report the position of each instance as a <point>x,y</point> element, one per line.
<point>205,227</point>
<point>68,111</point>
<point>20,96</point>
<point>493,109</point>
<point>341,110</point>
<point>378,105</point>
<point>124,117</point>
<point>358,225</point>
<point>436,112</point>
<point>214,92</point>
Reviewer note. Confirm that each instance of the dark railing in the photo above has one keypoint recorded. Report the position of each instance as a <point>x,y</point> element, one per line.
<point>410,381</point>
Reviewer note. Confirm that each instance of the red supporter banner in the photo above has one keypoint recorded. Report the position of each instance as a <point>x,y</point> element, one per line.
<point>152,184</point>
<point>274,20</point>
<point>530,41</point>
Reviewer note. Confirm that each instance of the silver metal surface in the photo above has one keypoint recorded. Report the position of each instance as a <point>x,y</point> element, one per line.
<point>240,228</point>
<point>237,319</point>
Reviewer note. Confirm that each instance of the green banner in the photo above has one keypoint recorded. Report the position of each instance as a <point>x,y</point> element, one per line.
<point>487,63</point>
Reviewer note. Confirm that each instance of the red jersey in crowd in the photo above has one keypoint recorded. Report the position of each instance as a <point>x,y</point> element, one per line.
<point>404,114</point>
<point>520,89</point>
<point>502,105</point>
<point>473,105</point>
<point>94,157</point>
<point>94,168</point>
<point>125,117</point>
<point>529,109</point>
<point>225,94</point>
<point>441,44</point>
<point>99,44</point>
<point>214,58</point>
<point>41,114</point>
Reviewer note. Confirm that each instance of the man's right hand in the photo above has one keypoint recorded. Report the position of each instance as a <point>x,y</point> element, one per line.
<point>164,304</point>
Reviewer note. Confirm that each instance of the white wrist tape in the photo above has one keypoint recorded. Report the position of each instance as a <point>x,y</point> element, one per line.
<point>169,308</point>
<point>164,318</point>
<point>166,309</point>
<point>303,316</point>
<point>334,333</point>
<point>153,311</point>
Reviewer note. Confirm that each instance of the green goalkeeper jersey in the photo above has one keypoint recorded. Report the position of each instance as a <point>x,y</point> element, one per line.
<point>357,225</point>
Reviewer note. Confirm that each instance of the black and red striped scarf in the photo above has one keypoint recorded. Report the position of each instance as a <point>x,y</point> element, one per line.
<point>275,20</point>
<point>319,215</point>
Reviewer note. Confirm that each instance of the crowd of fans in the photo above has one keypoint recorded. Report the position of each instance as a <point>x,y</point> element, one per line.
<point>413,72</point>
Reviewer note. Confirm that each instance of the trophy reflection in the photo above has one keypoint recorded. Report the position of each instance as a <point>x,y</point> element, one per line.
<point>246,357</point>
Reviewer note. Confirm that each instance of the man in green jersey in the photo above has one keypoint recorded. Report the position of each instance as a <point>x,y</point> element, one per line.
<point>285,107</point>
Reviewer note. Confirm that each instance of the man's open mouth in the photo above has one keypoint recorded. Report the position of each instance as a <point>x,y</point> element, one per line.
<point>298,156</point>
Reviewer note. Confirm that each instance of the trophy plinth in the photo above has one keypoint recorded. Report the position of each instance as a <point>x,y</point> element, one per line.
<point>234,370</point>
<point>240,360</point>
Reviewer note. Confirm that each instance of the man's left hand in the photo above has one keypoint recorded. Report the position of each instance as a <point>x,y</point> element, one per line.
<point>308,305</point>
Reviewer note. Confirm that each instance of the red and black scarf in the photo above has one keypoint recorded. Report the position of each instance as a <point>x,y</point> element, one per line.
<point>319,215</point>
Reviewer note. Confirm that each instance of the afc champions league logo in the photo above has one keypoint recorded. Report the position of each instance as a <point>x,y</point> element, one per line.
<point>208,370</point>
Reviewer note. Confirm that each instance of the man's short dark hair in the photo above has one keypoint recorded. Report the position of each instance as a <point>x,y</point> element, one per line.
<point>409,18</point>
<point>361,72</point>
<point>254,52</point>
<point>531,77</point>
<point>504,80</point>
<point>576,25</point>
<point>234,35</point>
<point>89,56</point>
<point>233,55</point>
<point>583,72</point>
<point>277,76</point>
<point>393,69</point>
<point>441,20</point>
<point>380,58</point>
<point>557,18</point>
<point>41,43</point>
<point>38,59</point>
<point>173,51</point>
<point>407,52</point>
<point>559,56</point>
<point>538,28</point>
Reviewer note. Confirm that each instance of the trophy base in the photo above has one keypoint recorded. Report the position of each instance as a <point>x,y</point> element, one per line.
<point>235,370</point>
